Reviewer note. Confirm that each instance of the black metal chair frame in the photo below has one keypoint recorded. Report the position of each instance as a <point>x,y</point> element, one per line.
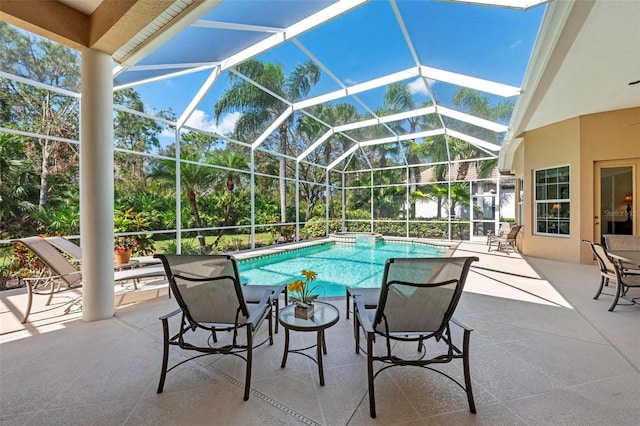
<point>188,325</point>
<point>362,320</point>
<point>611,269</point>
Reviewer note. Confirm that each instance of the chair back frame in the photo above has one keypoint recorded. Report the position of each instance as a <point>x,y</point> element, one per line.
<point>429,281</point>
<point>416,278</point>
<point>202,268</point>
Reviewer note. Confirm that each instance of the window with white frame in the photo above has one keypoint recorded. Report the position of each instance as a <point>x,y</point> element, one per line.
<point>552,201</point>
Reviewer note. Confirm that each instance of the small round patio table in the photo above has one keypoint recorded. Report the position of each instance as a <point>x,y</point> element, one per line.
<point>324,316</point>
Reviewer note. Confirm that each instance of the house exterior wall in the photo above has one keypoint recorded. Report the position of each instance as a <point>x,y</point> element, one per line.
<point>550,146</point>
<point>578,142</point>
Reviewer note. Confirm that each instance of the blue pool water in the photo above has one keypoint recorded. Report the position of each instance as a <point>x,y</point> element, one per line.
<point>339,265</point>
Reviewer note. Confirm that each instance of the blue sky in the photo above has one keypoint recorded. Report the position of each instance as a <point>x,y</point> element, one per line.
<point>485,42</point>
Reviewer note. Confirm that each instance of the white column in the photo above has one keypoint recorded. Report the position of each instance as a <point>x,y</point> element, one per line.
<point>96,185</point>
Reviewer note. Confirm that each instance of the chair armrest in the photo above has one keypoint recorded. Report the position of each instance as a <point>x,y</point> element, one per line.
<point>167,316</point>
<point>461,324</point>
<point>48,277</point>
<point>266,297</point>
<point>261,308</point>
<point>361,312</point>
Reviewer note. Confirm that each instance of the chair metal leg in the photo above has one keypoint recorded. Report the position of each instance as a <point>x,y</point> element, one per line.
<point>356,330</point>
<point>370,375</point>
<point>29,303</point>
<point>276,304</point>
<point>165,353</point>
<point>616,297</point>
<point>271,324</point>
<point>467,373</point>
<point>347,299</point>
<point>603,280</point>
<point>247,380</point>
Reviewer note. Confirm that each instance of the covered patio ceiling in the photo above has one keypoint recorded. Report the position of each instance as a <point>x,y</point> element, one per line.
<point>582,60</point>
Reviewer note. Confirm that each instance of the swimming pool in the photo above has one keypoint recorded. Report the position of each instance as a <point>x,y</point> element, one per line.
<point>339,265</point>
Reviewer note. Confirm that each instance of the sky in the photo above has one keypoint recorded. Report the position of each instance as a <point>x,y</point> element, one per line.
<point>366,43</point>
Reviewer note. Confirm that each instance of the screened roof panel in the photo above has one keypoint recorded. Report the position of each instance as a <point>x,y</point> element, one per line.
<point>457,38</point>
<point>369,39</point>
<point>138,74</point>
<point>200,45</point>
<point>434,50</point>
<point>473,131</point>
<point>269,13</point>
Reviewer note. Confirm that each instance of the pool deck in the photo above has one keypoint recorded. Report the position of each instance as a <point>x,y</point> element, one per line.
<point>543,352</point>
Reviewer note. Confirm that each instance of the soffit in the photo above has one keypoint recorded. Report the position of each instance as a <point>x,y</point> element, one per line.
<point>588,70</point>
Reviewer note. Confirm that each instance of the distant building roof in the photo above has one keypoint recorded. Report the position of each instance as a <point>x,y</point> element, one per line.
<point>467,171</point>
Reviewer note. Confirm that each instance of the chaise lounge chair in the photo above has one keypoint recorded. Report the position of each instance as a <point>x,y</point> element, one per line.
<point>210,299</point>
<point>417,300</point>
<point>74,251</point>
<point>63,275</point>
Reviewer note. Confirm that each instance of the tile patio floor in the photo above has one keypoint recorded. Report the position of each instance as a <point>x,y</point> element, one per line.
<point>543,352</point>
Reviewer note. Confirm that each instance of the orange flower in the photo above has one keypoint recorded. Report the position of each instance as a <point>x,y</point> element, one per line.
<point>296,287</point>
<point>301,290</point>
<point>309,275</point>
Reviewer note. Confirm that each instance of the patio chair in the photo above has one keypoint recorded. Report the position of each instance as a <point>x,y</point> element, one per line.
<point>506,242</point>
<point>252,292</point>
<point>624,242</point>
<point>209,295</point>
<point>61,274</point>
<point>611,270</point>
<point>417,300</point>
<point>505,227</point>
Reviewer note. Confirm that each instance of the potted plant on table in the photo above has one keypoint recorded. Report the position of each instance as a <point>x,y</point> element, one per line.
<point>301,294</point>
<point>122,249</point>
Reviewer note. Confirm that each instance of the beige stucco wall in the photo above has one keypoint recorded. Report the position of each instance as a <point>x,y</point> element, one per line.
<point>578,142</point>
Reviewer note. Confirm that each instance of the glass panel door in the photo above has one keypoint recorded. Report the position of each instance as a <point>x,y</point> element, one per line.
<point>484,202</point>
<point>616,200</point>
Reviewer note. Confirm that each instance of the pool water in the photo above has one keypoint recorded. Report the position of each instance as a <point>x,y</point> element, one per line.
<point>338,265</point>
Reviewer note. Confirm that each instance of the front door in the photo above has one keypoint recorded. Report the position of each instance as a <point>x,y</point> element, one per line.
<point>615,197</point>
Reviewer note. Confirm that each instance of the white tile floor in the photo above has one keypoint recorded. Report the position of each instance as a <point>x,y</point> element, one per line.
<point>543,352</point>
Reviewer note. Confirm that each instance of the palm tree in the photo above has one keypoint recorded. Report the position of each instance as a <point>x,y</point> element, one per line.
<point>194,180</point>
<point>260,109</point>
<point>229,160</point>
<point>18,188</point>
<point>437,151</point>
<point>478,104</point>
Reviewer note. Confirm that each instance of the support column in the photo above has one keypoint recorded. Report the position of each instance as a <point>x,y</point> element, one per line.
<point>96,185</point>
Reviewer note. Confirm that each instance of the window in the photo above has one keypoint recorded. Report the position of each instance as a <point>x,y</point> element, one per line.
<point>520,201</point>
<point>552,201</point>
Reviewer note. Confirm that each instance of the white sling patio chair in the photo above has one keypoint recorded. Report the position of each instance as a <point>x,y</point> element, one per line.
<point>417,300</point>
<point>209,295</point>
<point>63,275</point>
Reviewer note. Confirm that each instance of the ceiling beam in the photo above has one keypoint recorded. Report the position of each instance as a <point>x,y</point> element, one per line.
<point>50,19</point>
<point>115,22</point>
